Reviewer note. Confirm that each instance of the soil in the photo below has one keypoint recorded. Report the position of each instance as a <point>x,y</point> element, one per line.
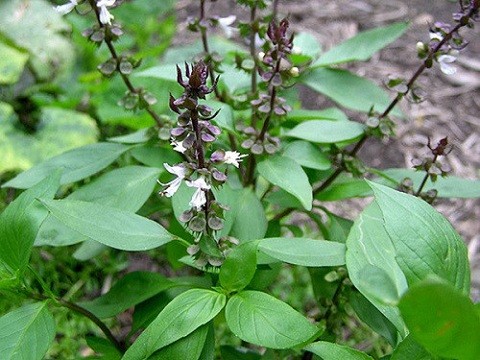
<point>450,109</point>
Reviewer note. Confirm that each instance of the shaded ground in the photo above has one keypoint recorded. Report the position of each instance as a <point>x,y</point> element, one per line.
<point>452,105</point>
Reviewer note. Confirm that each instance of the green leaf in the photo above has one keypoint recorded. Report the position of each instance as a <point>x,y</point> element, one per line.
<point>376,282</point>
<point>165,72</point>
<point>155,155</point>
<point>112,227</point>
<point>187,312</point>
<point>306,44</point>
<point>304,252</point>
<point>331,351</point>
<point>231,353</point>
<point>442,319</point>
<point>126,188</point>
<point>368,243</point>
<point>299,115</point>
<point>345,188</point>
<point>137,137</point>
<point>21,150</point>
<point>12,63</point>
<point>104,347</point>
<point>283,199</point>
<point>370,315</point>
<point>409,349</point>
<point>347,89</point>
<point>448,187</point>
<point>224,119</point>
<point>88,250</point>
<point>234,79</point>
<point>307,155</point>
<point>250,222</point>
<point>327,131</point>
<point>27,332</point>
<point>425,244</point>
<point>20,221</point>
<point>77,164</point>
<point>338,228</point>
<point>239,267</point>
<point>288,175</point>
<point>38,29</point>
<point>130,290</point>
<point>362,46</point>
<point>190,347</point>
<point>263,320</point>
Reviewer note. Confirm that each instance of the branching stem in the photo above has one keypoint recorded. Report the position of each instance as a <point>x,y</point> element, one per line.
<point>82,311</point>
<point>426,64</point>
<point>125,78</point>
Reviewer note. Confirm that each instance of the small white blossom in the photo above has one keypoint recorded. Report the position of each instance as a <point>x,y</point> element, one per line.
<point>66,8</point>
<point>178,146</point>
<point>438,36</point>
<point>105,16</point>
<point>199,198</point>
<point>225,24</point>
<point>172,186</point>
<point>233,158</point>
<point>445,61</point>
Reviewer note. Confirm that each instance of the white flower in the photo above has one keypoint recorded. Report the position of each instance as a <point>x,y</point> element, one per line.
<point>199,198</point>
<point>225,23</point>
<point>445,61</point>
<point>65,9</point>
<point>233,158</point>
<point>438,36</point>
<point>105,16</point>
<point>173,185</point>
<point>178,146</point>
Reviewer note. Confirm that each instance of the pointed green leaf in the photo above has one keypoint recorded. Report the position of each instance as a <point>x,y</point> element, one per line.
<point>261,319</point>
<point>370,315</point>
<point>183,315</point>
<point>304,252</point>
<point>362,46</point>
<point>425,242</point>
<point>190,347</point>
<point>368,243</point>
<point>250,221</point>
<point>442,319</point>
<point>126,188</point>
<point>130,290</point>
<point>349,90</point>
<point>331,351</point>
<point>327,131</point>
<point>20,221</point>
<point>77,164</point>
<point>239,267</point>
<point>288,175</point>
<point>307,155</point>
<point>27,332</point>
<point>112,227</point>
<point>409,349</point>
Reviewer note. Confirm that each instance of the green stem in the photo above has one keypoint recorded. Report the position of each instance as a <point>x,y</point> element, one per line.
<point>328,181</point>
<point>82,311</point>
<point>124,77</point>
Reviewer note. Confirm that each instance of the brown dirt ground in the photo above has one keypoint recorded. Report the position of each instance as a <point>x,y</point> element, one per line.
<point>452,105</point>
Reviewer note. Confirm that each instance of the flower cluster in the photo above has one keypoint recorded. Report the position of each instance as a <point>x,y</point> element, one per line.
<point>193,137</point>
<point>445,40</point>
<point>276,72</point>
<point>104,15</point>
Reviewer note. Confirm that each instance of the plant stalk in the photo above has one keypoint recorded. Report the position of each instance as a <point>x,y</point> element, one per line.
<point>328,181</point>
<point>125,78</point>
